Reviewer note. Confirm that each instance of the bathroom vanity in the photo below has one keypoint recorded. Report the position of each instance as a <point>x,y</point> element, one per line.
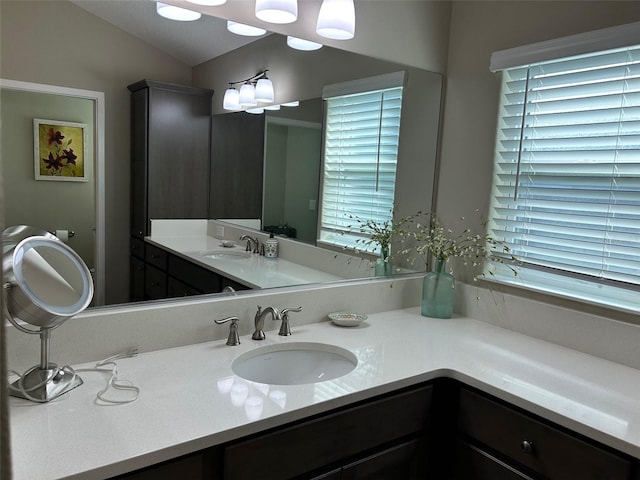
<point>454,398</point>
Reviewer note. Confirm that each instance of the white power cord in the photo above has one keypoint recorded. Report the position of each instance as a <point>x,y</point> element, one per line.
<point>114,382</point>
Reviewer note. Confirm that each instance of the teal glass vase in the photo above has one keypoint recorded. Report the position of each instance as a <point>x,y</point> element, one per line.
<point>438,289</point>
<point>383,266</point>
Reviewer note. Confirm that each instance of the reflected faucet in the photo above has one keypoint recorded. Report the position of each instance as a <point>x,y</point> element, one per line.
<point>251,241</point>
<point>258,334</point>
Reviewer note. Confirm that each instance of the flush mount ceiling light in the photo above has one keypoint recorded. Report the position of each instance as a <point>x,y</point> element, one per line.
<point>301,44</point>
<point>176,13</point>
<point>337,19</point>
<point>254,90</point>
<point>277,11</point>
<point>208,3</point>
<point>243,29</point>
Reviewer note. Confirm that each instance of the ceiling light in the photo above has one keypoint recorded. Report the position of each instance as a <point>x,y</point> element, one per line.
<point>272,107</point>
<point>277,11</point>
<point>337,19</point>
<point>300,44</point>
<point>231,99</point>
<point>295,103</point>
<point>254,89</point>
<point>176,13</point>
<point>255,111</point>
<point>248,95</point>
<point>246,30</point>
<point>264,90</point>
<point>208,3</point>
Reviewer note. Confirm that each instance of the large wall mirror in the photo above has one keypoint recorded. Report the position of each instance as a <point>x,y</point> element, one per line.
<point>296,76</point>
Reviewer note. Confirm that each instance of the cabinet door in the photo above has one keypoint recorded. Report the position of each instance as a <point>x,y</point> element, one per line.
<point>475,464</point>
<point>520,439</point>
<point>178,154</point>
<point>406,461</point>
<point>237,158</point>
<point>136,277</point>
<point>330,439</point>
<point>155,283</point>
<point>139,130</point>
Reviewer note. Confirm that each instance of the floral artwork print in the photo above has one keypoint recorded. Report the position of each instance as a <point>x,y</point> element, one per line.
<point>59,150</point>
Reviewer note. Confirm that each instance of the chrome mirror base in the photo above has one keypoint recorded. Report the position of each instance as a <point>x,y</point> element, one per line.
<point>43,385</point>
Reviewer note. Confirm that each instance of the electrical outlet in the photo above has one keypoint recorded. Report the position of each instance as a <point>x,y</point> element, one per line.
<point>219,231</point>
<point>312,204</point>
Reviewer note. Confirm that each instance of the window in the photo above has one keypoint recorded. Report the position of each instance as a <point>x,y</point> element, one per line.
<point>566,194</point>
<point>362,132</point>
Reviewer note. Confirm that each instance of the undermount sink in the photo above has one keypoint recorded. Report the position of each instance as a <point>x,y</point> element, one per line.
<point>294,363</point>
<point>226,255</point>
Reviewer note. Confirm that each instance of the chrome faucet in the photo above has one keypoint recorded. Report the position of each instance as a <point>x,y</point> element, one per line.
<point>258,334</point>
<point>285,330</point>
<point>251,241</point>
<point>234,338</point>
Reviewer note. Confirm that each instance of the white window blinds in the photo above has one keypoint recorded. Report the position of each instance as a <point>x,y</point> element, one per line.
<point>360,155</point>
<point>567,169</point>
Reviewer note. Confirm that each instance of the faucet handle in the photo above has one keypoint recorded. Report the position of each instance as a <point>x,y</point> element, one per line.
<point>234,338</point>
<point>285,329</point>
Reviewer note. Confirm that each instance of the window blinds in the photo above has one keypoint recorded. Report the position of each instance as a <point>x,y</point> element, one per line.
<point>360,156</point>
<point>567,177</point>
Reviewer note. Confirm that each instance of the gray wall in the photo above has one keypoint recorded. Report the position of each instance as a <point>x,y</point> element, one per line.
<point>50,205</point>
<point>57,43</point>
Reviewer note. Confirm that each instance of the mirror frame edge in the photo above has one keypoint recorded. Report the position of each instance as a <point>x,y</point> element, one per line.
<point>99,161</point>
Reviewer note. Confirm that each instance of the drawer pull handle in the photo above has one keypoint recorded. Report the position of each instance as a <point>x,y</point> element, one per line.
<point>526,446</point>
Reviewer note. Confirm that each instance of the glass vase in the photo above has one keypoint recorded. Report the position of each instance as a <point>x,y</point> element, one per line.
<point>438,289</point>
<point>383,266</point>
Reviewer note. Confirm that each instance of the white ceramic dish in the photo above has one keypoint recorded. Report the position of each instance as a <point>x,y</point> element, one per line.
<point>347,319</point>
<point>227,243</point>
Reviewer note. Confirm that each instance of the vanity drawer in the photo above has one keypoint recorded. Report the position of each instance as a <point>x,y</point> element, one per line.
<point>136,247</point>
<point>544,449</point>
<point>156,256</point>
<point>155,283</point>
<point>329,439</point>
<point>197,277</point>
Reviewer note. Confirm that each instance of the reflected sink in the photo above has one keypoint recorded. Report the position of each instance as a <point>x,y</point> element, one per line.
<point>294,363</point>
<point>218,255</point>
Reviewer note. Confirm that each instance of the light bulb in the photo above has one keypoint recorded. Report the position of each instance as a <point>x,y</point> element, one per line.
<point>277,11</point>
<point>301,44</point>
<point>231,99</point>
<point>337,19</point>
<point>176,13</point>
<point>255,111</point>
<point>248,95</point>
<point>208,3</point>
<point>264,91</point>
<point>243,29</point>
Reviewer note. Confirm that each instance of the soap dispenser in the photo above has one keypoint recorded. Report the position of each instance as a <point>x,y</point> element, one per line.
<point>271,247</point>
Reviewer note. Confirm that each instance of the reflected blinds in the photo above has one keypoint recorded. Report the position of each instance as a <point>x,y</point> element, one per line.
<point>567,176</point>
<point>360,157</point>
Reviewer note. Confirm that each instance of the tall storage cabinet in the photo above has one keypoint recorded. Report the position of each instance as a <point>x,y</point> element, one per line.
<point>170,159</point>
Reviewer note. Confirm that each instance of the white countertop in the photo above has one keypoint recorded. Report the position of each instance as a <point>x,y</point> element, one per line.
<point>255,272</point>
<point>190,398</point>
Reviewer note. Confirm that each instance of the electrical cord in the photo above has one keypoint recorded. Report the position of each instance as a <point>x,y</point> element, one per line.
<point>113,382</point>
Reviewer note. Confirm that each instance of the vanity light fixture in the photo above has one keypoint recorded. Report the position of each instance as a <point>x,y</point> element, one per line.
<point>254,90</point>
<point>277,11</point>
<point>301,44</point>
<point>208,3</point>
<point>245,30</point>
<point>295,103</point>
<point>272,107</point>
<point>176,13</point>
<point>255,111</point>
<point>337,19</point>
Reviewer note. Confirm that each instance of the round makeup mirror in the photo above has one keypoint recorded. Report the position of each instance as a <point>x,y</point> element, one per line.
<point>45,282</point>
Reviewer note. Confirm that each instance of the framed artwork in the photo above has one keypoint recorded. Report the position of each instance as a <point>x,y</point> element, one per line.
<point>60,150</point>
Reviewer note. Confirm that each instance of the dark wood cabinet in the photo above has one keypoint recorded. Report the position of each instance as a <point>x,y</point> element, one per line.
<point>170,153</point>
<point>170,166</point>
<point>402,436</point>
<point>237,159</point>
<point>496,437</point>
